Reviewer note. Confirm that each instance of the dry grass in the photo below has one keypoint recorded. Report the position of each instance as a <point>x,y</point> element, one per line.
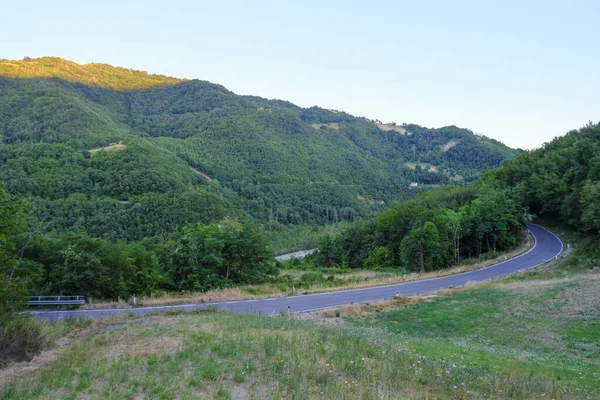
<point>331,125</point>
<point>92,74</point>
<point>114,147</point>
<point>583,301</point>
<point>531,287</point>
<point>336,315</point>
<point>396,128</point>
<point>236,293</point>
<point>25,368</point>
<point>135,347</point>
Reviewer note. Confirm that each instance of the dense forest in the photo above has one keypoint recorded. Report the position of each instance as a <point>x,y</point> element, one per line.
<point>124,155</point>
<point>197,257</point>
<point>435,230</point>
<point>561,182</point>
<point>118,182</point>
<point>558,182</point>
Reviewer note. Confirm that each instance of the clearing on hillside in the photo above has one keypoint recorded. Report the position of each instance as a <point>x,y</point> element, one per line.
<point>112,147</point>
<point>413,165</point>
<point>449,145</point>
<point>331,125</point>
<point>391,127</point>
<point>202,174</point>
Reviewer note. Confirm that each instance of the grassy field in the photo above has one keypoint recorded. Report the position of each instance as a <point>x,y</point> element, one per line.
<point>535,335</point>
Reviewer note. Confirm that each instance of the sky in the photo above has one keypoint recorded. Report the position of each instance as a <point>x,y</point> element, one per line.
<point>522,72</point>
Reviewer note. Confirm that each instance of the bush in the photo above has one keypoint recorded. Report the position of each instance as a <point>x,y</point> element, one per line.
<point>311,277</point>
<point>21,337</point>
<point>380,258</point>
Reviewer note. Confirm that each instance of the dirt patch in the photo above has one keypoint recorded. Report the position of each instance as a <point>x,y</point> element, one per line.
<point>391,127</point>
<point>202,174</point>
<point>241,391</point>
<point>449,145</point>
<point>113,147</point>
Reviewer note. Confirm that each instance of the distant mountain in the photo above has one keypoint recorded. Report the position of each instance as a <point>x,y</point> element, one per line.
<point>123,154</point>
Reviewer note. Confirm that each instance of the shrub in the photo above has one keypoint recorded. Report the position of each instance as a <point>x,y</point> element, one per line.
<point>21,337</point>
<point>380,258</point>
<point>311,277</point>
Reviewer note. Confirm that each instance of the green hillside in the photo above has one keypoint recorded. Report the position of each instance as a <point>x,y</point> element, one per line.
<point>561,183</point>
<point>558,183</point>
<point>192,151</point>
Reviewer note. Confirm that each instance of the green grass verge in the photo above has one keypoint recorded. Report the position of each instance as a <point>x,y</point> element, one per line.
<point>515,338</point>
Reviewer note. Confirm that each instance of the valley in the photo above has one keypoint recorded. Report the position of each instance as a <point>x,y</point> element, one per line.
<point>116,184</point>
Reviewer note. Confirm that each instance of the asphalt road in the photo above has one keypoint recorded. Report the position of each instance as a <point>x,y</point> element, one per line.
<point>547,246</point>
<point>298,254</point>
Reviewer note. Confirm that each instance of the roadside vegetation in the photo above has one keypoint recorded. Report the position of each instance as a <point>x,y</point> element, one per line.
<point>533,335</point>
<point>304,276</point>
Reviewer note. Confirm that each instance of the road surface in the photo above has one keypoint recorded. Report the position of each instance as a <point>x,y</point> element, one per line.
<point>298,254</point>
<point>546,247</point>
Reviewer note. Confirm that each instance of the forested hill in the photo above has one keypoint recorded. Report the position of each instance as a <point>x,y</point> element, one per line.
<point>122,154</point>
<point>561,182</point>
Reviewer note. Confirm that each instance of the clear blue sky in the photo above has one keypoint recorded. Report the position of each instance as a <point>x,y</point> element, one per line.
<point>522,72</point>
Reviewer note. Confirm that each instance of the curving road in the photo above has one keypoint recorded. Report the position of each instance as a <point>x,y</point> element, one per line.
<point>547,246</point>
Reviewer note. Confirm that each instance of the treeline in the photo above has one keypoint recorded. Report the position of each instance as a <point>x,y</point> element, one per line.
<point>561,181</point>
<point>433,231</point>
<point>197,257</point>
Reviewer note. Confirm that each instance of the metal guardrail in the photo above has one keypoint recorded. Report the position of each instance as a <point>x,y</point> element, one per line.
<point>56,300</point>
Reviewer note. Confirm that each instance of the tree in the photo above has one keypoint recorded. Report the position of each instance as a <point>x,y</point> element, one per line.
<point>12,223</point>
<point>380,257</point>
<point>454,223</point>
<point>422,248</point>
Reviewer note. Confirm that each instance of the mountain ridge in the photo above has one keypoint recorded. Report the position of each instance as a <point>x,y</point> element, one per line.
<point>277,162</point>
<point>94,74</point>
